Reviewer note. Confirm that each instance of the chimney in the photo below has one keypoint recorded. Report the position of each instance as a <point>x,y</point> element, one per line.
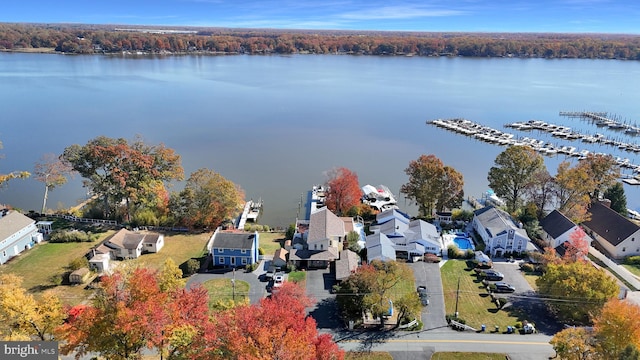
<point>606,202</point>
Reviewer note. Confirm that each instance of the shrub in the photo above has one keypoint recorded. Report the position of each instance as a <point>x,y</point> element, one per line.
<point>251,267</point>
<point>501,302</point>
<point>260,251</point>
<point>291,230</point>
<point>66,236</point>
<point>527,267</point>
<point>632,260</point>
<point>453,252</point>
<point>78,263</point>
<point>191,267</point>
<point>56,279</point>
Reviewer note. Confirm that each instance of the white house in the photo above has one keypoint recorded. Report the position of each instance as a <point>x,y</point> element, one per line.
<point>100,263</point>
<point>127,244</point>
<point>426,234</point>
<point>325,230</point>
<point>17,234</point>
<point>379,247</point>
<point>499,232</point>
<point>612,232</point>
<point>557,229</point>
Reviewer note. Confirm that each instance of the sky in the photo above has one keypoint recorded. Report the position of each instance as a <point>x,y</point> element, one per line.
<point>561,16</point>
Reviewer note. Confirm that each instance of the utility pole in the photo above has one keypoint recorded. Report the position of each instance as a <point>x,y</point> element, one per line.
<point>233,285</point>
<point>457,295</point>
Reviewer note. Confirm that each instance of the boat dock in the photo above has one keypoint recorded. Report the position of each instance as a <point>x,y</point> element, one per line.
<point>490,135</point>
<point>250,212</point>
<point>602,119</point>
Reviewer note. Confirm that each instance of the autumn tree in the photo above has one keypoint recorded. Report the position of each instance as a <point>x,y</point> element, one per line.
<point>23,316</point>
<point>343,190</point>
<point>542,191</point>
<point>576,290</point>
<point>573,185</point>
<point>117,170</point>
<point>134,310</point>
<point>616,327</point>
<point>617,197</point>
<point>52,172</point>
<point>603,170</point>
<point>276,328</point>
<point>207,200</point>
<point>4,178</point>
<point>432,185</point>
<point>577,247</point>
<point>574,343</point>
<point>513,173</point>
<point>370,289</point>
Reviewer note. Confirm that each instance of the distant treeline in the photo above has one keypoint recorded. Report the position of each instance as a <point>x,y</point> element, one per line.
<point>90,39</point>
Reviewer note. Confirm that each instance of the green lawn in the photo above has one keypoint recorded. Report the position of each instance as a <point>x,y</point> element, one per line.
<point>222,289</point>
<point>179,247</point>
<point>271,241</point>
<point>298,276</point>
<point>474,304</point>
<point>467,355</point>
<point>635,270</point>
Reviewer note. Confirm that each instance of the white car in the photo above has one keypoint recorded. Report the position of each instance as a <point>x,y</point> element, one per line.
<point>278,280</point>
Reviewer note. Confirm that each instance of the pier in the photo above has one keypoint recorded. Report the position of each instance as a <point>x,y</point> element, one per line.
<point>603,119</point>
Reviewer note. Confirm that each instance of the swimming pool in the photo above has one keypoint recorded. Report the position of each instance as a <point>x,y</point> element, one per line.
<point>463,243</point>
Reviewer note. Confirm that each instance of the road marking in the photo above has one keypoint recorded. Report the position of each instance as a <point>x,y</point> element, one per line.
<point>457,341</point>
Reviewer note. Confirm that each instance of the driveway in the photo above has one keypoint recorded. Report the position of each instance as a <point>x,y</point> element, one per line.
<point>257,289</point>
<point>428,274</point>
<point>525,299</point>
<point>325,309</point>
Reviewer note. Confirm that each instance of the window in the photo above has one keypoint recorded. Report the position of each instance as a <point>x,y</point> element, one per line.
<point>320,246</point>
<point>315,246</point>
<point>243,251</point>
<point>624,249</point>
<point>221,260</point>
<point>244,261</point>
<point>220,250</point>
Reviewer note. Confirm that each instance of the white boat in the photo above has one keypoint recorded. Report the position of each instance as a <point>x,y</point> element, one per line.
<point>380,197</point>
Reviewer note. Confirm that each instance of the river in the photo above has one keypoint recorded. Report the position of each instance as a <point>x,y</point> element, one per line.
<point>275,124</point>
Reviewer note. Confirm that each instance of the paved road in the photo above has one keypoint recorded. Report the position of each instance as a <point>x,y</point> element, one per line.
<point>419,345</point>
<point>428,274</point>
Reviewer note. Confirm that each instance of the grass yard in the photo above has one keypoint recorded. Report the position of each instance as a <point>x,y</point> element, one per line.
<point>467,355</point>
<point>271,241</point>
<point>635,270</point>
<point>474,304</point>
<point>179,247</point>
<point>298,276</point>
<point>531,279</point>
<point>222,290</point>
<point>373,355</point>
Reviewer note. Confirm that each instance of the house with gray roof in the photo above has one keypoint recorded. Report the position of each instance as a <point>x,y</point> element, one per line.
<point>232,248</point>
<point>18,233</point>
<point>425,234</point>
<point>500,233</point>
<point>326,230</point>
<point>313,259</point>
<point>613,233</point>
<point>379,247</point>
<point>126,244</point>
<point>346,264</point>
<point>557,229</point>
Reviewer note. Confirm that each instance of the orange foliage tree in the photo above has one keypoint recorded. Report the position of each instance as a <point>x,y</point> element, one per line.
<point>616,327</point>
<point>343,191</point>
<point>277,328</point>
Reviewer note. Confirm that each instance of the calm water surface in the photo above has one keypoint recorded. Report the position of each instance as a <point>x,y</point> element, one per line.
<point>275,124</point>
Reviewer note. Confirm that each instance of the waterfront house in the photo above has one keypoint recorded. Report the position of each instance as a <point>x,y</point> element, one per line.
<point>557,229</point>
<point>500,233</point>
<point>409,237</point>
<point>126,244</point>
<point>232,248</point>
<point>613,233</point>
<point>325,230</point>
<point>17,234</point>
<point>313,259</point>
<point>425,234</point>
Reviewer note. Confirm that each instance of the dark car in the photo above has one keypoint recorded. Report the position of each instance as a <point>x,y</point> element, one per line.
<point>504,288</point>
<point>422,293</point>
<point>493,275</point>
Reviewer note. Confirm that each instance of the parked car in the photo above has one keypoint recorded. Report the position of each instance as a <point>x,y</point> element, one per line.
<point>431,258</point>
<point>278,280</point>
<point>504,287</point>
<point>424,296</point>
<point>493,275</point>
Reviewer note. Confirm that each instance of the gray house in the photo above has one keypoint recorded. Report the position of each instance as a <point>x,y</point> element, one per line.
<point>499,232</point>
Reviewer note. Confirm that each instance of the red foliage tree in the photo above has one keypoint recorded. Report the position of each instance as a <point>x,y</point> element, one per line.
<point>577,247</point>
<point>343,190</point>
<point>277,328</point>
